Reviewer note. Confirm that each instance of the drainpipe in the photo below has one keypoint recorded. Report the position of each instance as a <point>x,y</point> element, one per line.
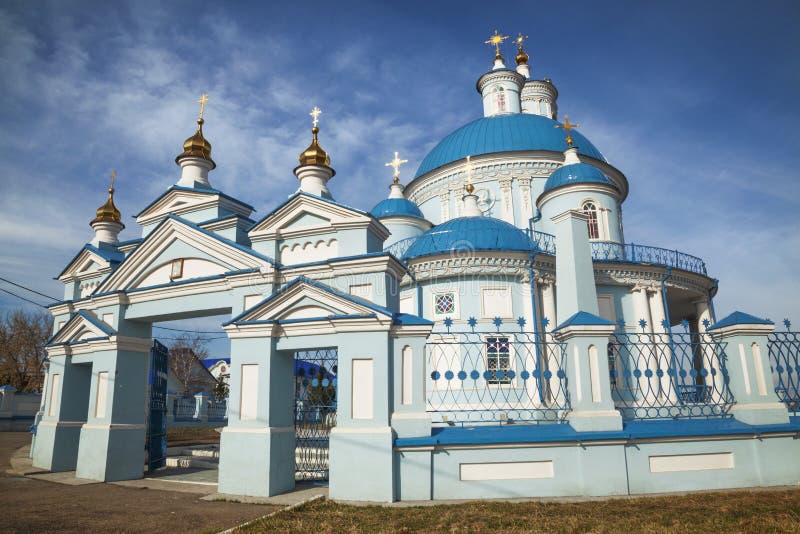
<point>713,290</point>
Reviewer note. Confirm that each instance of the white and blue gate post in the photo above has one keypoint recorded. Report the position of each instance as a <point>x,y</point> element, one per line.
<point>744,339</point>
<point>580,327</point>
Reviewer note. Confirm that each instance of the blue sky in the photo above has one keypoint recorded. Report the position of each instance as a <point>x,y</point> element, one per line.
<point>696,102</point>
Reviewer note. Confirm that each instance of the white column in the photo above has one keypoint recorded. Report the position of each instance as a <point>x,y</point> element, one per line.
<point>644,358</point>
<point>553,357</point>
<point>531,385</point>
<point>657,314</point>
<point>710,359</point>
<point>444,198</point>
<point>507,200</point>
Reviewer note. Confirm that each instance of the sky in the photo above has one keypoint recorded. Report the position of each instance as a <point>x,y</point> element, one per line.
<point>696,102</point>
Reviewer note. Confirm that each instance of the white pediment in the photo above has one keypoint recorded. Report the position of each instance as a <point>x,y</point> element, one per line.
<point>309,215</point>
<point>80,327</point>
<point>202,253</point>
<point>182,201</point>
<point>86,264</point>
<point>304,299</point>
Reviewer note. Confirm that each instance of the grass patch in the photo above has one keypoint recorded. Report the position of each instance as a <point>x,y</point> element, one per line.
<point>177,436</point>
<point>735,511</point>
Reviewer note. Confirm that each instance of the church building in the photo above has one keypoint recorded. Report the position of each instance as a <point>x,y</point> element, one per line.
<point>484,331</point>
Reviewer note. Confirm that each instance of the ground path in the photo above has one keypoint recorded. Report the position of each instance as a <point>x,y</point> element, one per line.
<point>36,505</point>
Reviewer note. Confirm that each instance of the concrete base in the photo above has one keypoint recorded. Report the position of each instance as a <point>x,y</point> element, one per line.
<point>761,414</point>
<point>595,420</point>
<point>411,424</point>
<point>111,452</point>
<point>256,461</point>
<point>362,464</point>
<point>57,445</point>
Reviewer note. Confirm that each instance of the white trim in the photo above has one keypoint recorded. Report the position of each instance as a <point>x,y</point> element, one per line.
<point>508,298</point>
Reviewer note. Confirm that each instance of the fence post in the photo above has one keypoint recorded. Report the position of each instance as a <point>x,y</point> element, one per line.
<point>744,338</point>
<point>7,403</point>
<point>170,409</point>
<point>588,379</point>
<point>201,407</point>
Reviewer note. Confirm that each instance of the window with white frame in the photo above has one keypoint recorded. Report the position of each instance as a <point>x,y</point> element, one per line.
<point>590,209</point>
<point>498,359</point>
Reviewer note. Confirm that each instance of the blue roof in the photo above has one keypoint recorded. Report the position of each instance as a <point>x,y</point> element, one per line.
<point>576,173</point>
<point>503,133</point>
<point>738,317</point>
<point>396,206</point>
<point>583,318</point>
<point>466,234</point>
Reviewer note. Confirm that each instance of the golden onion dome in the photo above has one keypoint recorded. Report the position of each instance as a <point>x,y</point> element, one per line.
<point>469,188</point>
<point>108,212</point>
<point>522,57</point>
<point>315,154</point>
<point>197,146</point>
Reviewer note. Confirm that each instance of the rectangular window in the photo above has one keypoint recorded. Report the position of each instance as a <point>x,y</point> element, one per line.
<point>177,269</point>
<point>102,395</point>
<point>248,403</point>
<point>498,360</point>
<point>55,385</point>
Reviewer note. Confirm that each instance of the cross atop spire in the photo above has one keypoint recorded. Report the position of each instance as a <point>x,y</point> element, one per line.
<point>568,126</point>
<point>315,113</point>
<point>468,169</point>
<point>496,40</point>
<point>520,39</point>
<point>113,177</point>
<point>395,164</point>
<point>202,102</point>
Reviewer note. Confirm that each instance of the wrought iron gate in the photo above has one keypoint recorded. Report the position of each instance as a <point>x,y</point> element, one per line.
<point>314,411</point>
<point>156,443</point>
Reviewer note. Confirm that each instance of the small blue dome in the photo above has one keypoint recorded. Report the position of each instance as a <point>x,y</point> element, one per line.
<point>503,133</point>
<point>576,173</point>
<point>396,206</point>
<point>467,234</point>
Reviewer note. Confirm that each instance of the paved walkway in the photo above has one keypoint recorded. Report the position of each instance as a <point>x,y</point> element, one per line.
<point>172,501</point>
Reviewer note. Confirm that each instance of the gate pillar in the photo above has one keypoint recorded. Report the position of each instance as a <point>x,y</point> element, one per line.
<point>361,454</point>
<point>257,446</point>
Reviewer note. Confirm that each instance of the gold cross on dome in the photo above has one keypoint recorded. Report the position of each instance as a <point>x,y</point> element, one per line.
<point>113,177</point>
<point>315,113</point>
<point>568,126</point>
<point>520,39</point>
<point>496,40</point>
<point>395,164</point>
<point>202,102</point>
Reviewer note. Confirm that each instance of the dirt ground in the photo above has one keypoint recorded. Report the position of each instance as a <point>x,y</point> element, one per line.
<point>37,506</point>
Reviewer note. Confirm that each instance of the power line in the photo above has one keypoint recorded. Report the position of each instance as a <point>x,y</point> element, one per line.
<point>23,298</point>
<point>28,289</point>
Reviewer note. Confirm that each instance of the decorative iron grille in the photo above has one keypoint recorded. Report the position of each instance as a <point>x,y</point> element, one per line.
<point>315,411</point>
<point>784,360</point>
<point>505,377</point>
<point>185,409</point>
<point>217,410</point>
<point>668,376</point>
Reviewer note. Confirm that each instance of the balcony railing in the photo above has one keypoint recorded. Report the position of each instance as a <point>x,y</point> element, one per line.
<point>668,376</point>
<point>495,377</point>
<point>784,360</point>
<point>399,248</point>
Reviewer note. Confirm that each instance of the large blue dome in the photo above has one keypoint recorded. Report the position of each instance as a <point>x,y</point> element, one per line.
<point>576,173</point>
<point>467,234</point>
<point>396,206</point>
<point>503,133</point>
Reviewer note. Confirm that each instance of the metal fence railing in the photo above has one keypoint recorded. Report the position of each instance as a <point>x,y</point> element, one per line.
<point>217,409</point>
<point>399,248</point>
<point>632,253</point>
<point>668,376</point>
<point>185,408</point>
<point>784,360</point>
<point>505,377</point>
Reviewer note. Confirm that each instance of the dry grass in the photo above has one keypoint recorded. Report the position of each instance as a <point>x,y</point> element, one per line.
<point>739,511</point>
<point>178,436</point>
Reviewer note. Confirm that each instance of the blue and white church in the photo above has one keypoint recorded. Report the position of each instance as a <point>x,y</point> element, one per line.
<point>485,331</point>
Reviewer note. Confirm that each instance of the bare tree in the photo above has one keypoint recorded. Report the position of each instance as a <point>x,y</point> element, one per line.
<point>22,339</point>
<point>184,360</point>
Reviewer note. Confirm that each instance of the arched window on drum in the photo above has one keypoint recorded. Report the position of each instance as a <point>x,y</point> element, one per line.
<point>590,209</point>
<point>500,99</point>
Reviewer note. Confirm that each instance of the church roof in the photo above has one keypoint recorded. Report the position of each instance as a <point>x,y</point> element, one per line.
<point>466,234</point>
<point>503,133</point>
<point>396,206</point>
<point>574,174</point>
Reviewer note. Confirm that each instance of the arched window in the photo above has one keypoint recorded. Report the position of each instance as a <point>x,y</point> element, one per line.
<point>591,210</point>
<point>500,99</point>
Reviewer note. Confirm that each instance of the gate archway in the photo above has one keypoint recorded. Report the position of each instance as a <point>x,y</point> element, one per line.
<point>315,386</point>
